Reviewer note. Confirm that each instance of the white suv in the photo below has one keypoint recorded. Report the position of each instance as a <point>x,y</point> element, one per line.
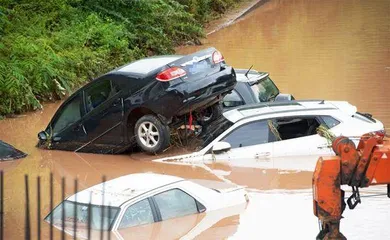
<point>275,133</point>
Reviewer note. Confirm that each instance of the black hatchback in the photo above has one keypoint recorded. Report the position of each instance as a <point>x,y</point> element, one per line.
<point>139,102</point>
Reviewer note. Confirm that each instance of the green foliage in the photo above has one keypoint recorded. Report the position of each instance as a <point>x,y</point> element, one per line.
<point>205,10</point>
<point>51,47</point>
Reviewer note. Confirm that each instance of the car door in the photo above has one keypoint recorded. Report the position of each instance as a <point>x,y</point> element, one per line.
<point>252,140</point>
<point>66,131</point>
<point>155,217</point>
<point>104,113</point>
<point>136,222</point>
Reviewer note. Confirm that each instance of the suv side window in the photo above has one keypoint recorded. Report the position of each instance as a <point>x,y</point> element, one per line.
<point>137,214</point>
<point>175,203</point>
<point>250,134</point>
<point>232,99</point>
<point>295,127</point>
<point>70,114</point>
<point>330,121</point>
<point>98,93</point>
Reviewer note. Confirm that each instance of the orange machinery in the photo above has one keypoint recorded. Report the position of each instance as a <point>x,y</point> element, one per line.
<point>362,166</point>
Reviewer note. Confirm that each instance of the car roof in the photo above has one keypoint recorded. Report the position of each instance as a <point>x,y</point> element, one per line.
<point>267,108</point>
<point>252,76</point>
<point>122,189</point>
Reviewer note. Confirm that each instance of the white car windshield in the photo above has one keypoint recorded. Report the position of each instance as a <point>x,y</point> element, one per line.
<point>81,217</point>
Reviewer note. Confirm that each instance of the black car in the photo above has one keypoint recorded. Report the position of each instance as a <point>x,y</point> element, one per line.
<point>253,87</point>
<point>139,102</point>
<point>8,152</point>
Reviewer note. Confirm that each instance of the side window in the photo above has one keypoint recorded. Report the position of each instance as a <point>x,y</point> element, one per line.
<point>175,203</point>
<point>137,214</point>
<point>232,99</point>
<point>295,127</point>
<point>98,93</point>
<point>70,114</point>
<point>330,121</point>
<point>249,134</point>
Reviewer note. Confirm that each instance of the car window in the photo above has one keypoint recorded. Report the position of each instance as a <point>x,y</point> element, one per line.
<point>175,203</point>
<point>70,114</point>
<point>101,217</point>
<point>295,127</point>
<point>330,121</point>
<point>250,134</point>
<point>137,214</point>
<point>265,90</point>
<point>232,99</point>
<point>98,93</point>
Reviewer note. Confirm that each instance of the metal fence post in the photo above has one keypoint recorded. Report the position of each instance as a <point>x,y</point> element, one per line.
<point>27,235</point>
<point>39,207</point>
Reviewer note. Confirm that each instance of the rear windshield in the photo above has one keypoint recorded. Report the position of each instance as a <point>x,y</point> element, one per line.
<point>265,90</point>
<point>98,215</point>
<point>147,65</point>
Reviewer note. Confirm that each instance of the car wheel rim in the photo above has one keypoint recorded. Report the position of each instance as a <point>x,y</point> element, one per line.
<point>148,134</point>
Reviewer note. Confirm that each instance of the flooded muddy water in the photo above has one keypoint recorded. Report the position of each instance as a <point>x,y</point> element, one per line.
<point>336,50</point>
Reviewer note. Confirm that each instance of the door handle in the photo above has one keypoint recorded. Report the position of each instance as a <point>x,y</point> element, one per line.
<point>262,154</point>
<point>324,146</point>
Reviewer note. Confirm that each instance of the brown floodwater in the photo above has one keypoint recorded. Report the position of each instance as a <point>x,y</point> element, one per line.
<point>337,50</point>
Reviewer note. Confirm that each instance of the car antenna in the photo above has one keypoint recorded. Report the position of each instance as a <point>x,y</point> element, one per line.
<point>246,74</point>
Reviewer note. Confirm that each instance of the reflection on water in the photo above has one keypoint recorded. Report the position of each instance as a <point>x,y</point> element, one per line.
<point>335,50</point>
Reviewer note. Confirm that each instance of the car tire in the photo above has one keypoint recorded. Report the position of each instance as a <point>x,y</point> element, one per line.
<point>210,114</point>
<point>151,134</point>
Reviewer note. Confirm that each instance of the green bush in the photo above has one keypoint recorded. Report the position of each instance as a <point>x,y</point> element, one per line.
<point>51,47</point>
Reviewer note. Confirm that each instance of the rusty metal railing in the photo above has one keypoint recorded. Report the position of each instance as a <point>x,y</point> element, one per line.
<point>28,207</point>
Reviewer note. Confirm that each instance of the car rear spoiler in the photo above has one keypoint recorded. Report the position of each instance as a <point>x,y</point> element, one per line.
<point>258,77</point>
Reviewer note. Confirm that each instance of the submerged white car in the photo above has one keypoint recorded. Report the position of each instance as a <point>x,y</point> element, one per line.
<point>131,202</point>
<point>281,134</point>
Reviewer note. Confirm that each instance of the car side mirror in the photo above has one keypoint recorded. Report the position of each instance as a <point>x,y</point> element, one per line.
<point>221,147</point>
<point>42,135</point>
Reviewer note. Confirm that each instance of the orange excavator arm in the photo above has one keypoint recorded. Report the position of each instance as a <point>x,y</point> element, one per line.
<point>362,166</point>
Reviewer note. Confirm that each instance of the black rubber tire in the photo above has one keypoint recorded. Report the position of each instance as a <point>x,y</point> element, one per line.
<point>215,110</point>
<point>163,131</point>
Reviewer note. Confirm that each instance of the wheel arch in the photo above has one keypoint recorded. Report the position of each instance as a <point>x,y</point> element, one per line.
<point>133,116</point>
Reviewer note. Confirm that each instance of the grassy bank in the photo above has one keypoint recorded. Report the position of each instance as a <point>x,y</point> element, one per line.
<point>50,47</point>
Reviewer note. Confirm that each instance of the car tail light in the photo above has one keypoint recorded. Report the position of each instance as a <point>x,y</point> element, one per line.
<point>380,133</point>
<point>170,74</point>
<point>217,57</point>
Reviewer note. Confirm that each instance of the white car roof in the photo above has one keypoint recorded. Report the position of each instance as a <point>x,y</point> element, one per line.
<point>251,76</point>
<point>237,114</point>
<point>120,190</point>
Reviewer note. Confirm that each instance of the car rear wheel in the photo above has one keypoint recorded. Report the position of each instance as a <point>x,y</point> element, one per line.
<point>210,114</point>
<point>151,135</point>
